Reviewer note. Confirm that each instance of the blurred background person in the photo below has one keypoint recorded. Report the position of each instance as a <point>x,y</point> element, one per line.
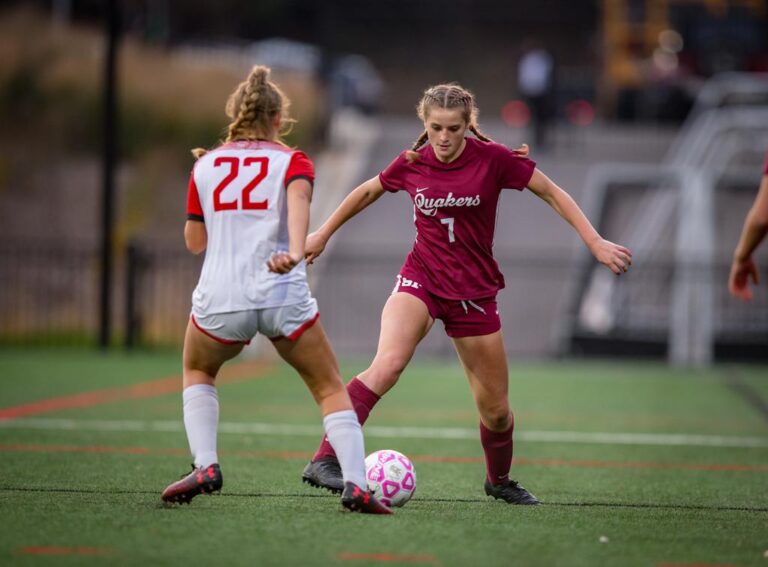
<point>535,78</point>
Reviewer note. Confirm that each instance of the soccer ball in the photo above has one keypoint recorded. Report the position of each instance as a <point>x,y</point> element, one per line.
<point>391,477</point>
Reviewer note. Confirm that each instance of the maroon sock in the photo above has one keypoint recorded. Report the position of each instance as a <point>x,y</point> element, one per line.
<point>363,400</point>
<point>497,446</point>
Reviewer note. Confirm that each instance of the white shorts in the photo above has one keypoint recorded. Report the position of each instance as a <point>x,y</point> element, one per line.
<point>288,322</point>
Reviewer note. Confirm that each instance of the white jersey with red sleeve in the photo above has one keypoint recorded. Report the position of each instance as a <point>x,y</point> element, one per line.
<point>239,191</point>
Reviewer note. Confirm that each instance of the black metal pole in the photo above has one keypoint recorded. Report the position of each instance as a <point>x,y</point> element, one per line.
<point>133,266</point>
<point>109,155</point>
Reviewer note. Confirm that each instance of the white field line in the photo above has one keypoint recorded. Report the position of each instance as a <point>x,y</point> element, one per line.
<point>449,433</point>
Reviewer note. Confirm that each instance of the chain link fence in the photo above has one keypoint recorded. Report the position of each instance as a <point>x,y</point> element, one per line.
<point>49,295</point>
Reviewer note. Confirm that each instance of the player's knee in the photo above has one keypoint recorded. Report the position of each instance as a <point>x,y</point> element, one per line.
<point>497,418</point>
<point>387,368</point>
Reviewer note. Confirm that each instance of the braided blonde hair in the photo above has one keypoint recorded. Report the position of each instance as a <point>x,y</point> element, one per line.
<point>252,109</point>
<point>450,95</point>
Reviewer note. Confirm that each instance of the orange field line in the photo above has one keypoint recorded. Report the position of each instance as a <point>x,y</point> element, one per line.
<point>36,448</point>
<point>59,550</point>
<point>602,464</point>
<point>642,465</point>
<point>152,388</point>
<point>348,556</point>
<point>713,467</point>
<point>698,565</point>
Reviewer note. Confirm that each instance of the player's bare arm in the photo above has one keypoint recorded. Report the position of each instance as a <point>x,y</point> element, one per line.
<point>195,236</point>
<point>755,228</point>
<point>614,256</point>
<point>299,194</point>
<point>357,200</point>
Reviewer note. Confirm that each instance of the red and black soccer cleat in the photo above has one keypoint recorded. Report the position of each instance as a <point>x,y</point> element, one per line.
<point>355,499</point>
<point>511,492</point>
<point>200,481</point>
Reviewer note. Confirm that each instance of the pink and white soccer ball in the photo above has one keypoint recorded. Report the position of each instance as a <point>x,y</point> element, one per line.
<point>391,477</point>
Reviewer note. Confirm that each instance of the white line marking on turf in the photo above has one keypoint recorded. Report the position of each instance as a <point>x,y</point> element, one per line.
<point>450,433</point>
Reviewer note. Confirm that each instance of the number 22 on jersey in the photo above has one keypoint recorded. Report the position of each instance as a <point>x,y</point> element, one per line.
<point>246,201</point>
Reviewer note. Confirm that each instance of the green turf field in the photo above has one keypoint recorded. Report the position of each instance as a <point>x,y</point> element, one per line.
<point>637,463</point>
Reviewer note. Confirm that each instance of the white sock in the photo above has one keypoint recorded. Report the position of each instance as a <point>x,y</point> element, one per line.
<point>201,420</point>
<point>346,437</point>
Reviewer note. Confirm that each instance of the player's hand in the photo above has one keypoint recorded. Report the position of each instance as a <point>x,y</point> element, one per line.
<point>283,262</point>
<point>738,280</point>
<point>522,151</point>
<point>616,257</point>
<point>314,246</point>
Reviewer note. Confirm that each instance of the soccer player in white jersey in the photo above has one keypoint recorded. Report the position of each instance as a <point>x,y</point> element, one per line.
<point>248,208</point>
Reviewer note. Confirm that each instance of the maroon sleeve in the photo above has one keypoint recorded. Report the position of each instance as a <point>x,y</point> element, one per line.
<point>514,171</point>
<point>301,167</point>
<point>393,177</point>
<point>765,167</point>
<point>194,208</point>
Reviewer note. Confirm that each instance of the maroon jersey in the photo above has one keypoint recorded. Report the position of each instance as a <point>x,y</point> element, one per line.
<point>455,214</point>
<point>765,167</point>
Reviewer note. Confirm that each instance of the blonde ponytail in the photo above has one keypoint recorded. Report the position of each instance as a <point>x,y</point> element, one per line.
<point>253,107</point>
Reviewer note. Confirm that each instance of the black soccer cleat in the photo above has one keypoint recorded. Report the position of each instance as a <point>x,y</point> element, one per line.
<point>324,472</point>
<point>200,481</point>
<point>355,499</point>
<point>511,492</point>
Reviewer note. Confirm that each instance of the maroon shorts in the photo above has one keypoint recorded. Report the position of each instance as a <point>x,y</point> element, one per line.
<point>462,318</point>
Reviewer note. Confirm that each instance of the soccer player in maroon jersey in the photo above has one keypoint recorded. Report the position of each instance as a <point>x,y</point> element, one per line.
<point>248,208</point>
<point>451,274</point>
<point>752,233</point>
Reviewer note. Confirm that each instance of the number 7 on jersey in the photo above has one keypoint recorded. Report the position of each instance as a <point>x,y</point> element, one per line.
<point>449,221</point>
